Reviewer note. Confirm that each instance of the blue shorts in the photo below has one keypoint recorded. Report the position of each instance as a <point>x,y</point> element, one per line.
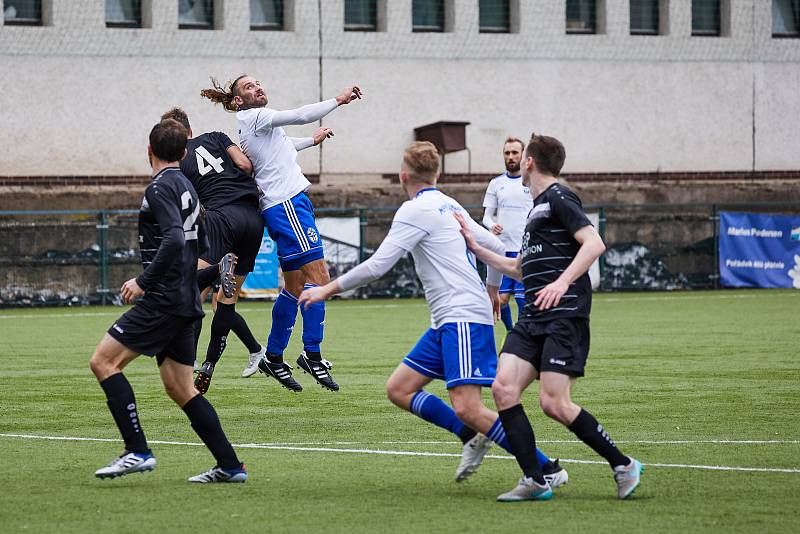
<point>509,285</point>
<point>291,225</point>
<point>458,353</point>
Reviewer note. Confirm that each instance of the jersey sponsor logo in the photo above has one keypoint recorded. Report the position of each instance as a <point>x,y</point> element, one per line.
<point>528,248</point>
<point>312,235</point>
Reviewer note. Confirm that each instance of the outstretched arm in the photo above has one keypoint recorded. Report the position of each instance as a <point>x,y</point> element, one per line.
<point>376,266</point>
<point>314,112</point>
<point>508,266</point>
<point>301,143</point>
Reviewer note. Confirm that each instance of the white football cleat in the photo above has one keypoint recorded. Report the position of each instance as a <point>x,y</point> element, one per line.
<point>472,455</point>
<point>129,462</point>
<point>252,363</point>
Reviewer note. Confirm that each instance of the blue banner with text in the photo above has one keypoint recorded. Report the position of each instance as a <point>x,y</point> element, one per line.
<point>263,281</point>
<point>759,250</point>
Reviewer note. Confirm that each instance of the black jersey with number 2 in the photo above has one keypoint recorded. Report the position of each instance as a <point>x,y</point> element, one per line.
<point>169,230</point>
<point>213,174</point>
<point>548,247</point>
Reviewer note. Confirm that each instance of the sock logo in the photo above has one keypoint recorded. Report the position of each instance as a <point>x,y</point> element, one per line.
<point>605,435</point>
<point>134,417</point>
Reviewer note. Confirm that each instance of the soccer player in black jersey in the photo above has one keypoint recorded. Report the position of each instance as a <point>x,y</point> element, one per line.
<point>221,174</point>
<point>163,320</point>
<point>551,340</point>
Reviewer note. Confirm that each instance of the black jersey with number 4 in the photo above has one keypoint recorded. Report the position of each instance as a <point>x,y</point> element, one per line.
<point>169,230</point>
<point>548,247</point>
<point>213,174</point>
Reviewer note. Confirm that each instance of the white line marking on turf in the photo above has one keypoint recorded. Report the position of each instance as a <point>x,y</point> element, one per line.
<point>406,453</point>
<point>598,299</point>
<point>122,309</point>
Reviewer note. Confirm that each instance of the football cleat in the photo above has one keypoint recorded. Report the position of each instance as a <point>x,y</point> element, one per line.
<point>218,474</point>
<point>252,363</point>
<point>554,474</point>
<point>527,490</point>
<point>203,379</point>
<point>628,478</point>
<point>472,455</point>
<point>282,372</point>
<point>127,463</point>
<point>318,370</point>
<point>227,277</point>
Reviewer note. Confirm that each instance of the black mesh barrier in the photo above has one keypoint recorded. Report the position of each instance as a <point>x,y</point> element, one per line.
<point>81,258</point>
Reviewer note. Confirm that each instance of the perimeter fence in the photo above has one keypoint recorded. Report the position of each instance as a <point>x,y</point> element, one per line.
<point>74,258</point>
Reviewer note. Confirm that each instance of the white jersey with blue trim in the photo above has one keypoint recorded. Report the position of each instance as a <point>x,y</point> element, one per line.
<point>513,202</point>
<point>425,227</point>
<point>273,154</point>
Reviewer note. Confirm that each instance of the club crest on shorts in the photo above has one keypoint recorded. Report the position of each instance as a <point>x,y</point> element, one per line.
<point>312,235</point>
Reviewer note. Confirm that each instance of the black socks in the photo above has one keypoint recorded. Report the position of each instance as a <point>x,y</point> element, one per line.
<point>589,431</point>
<point>206,423</point>
<point>521,441</point>
<point>220,328</point>
<point>206,276</point>
<point>466,434</point>
<point>242,331</point>
<point>122,403</point>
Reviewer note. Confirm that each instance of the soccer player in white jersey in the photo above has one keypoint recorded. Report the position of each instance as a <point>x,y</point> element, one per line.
<point>288,216</point>
<point>459,347</point>
<point>507,203</point>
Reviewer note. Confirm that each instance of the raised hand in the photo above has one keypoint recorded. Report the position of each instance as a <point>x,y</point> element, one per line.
<point>322,134</point>
<point>348,95</point>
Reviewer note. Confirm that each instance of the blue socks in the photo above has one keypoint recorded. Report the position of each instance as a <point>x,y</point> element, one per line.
<point>284,314</point>
<point>505,316</point>
<point>520,305</point>
<point>435,410</point>
<point>313,324</point>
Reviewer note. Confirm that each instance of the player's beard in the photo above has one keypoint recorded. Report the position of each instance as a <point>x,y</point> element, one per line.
<point>512,168</point>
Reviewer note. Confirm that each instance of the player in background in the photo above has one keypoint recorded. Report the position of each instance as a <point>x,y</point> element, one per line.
<point>221,175</point>
<point>507,203</point>
<point>551,340</point>
<point>162,322</point>
<point>459,347</point>
<point>288,215</point>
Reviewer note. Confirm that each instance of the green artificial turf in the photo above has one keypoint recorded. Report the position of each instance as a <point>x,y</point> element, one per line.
<point>676,378</point>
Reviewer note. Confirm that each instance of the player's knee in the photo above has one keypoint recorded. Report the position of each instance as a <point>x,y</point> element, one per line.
<point>465,411</point>
<point>180,393</point>
<point>554,407</point>
<point>505,394</point>
<point>397,394</point>
<point>100,366</point>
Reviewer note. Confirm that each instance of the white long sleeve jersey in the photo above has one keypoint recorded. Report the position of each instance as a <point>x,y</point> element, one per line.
<point>512,201</point>
<point>425,227</point>
<point>273,153</point>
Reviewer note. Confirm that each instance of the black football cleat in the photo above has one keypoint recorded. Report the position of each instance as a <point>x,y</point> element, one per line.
<point>203,379</point>
<point>318,370</point>
<point>227,277</point>
<point>282,372</point>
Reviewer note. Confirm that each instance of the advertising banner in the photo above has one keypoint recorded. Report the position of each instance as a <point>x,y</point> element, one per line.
<point>759,250</point>
<point>263,281</point>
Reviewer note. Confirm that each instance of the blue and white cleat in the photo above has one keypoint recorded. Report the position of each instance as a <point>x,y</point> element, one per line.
<point>527,490</point>
<point>628,478</point>
<point>218,474</point>
<point>129,462</point>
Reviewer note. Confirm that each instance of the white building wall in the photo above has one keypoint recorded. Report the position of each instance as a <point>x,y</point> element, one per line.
<point>80,98</point>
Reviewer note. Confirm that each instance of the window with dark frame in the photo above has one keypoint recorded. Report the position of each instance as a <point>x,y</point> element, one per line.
<point>786,19</point>
<point>644,17</point>
<point>706,18</point>
<point>581,16</point>
<point>123,13</point>
<point>22,12</point>
<point>267,15</point>
<point>427,16</point>
<point>196,14</point>
<point>494,16</point>
<point>361,15</point>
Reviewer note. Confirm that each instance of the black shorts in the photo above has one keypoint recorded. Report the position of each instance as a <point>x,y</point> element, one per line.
<point>558,346</point>
<point>152,332</point>
<point>237,228</point>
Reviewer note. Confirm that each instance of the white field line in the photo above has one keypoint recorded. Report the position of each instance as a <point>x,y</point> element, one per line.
<point>122,310</point>
<point>405,453</point>
<point>597,299</point>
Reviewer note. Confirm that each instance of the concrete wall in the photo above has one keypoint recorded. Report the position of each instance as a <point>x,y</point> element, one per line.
<point>79,98</point>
